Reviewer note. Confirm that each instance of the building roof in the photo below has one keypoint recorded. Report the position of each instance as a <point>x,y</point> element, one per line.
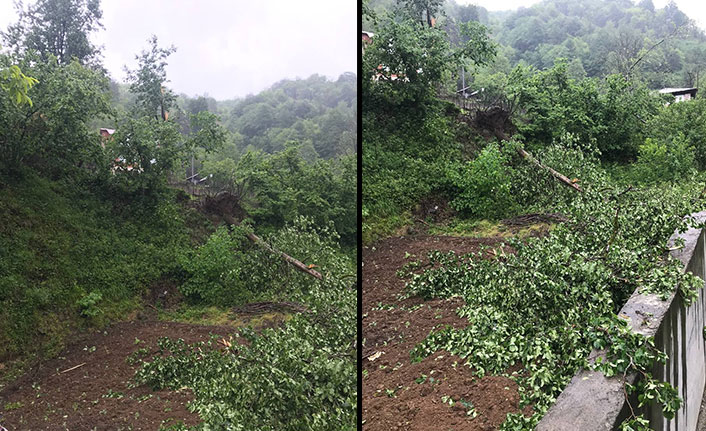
<point>368,33</point>
<point>677,90</point>
<point>110,131</point>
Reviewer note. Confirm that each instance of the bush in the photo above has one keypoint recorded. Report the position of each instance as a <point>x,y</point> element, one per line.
<point>537,190</point>
<point>229,270</point>
<point>406,154</point>
<point>215,270</point>
<point>665,160</point>
<point>688,118</point>
<point>89,304</point>
<point>607,113</point>
<point>482,187</point>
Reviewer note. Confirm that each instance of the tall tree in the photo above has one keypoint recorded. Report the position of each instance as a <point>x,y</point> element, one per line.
<point>57,27</point>
<point>422,9</point>
<point>406,63</point>
<point>149,79</point>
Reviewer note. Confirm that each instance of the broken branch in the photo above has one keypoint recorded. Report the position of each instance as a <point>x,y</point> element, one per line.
<point>73,368</point>
<point>287,258</point>
<point>527,156</point>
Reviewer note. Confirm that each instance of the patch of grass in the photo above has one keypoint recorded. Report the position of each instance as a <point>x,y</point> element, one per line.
<point>486,228</point>
<point>14,406</point>
<point>198,314</point>
<point>71,257</point>
<point>376,228</point>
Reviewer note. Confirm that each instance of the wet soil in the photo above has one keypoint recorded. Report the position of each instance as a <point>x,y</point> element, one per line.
<point>95,395</point>
<point>440,392</point>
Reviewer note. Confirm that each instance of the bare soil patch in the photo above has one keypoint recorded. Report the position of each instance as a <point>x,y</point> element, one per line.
<point>399,394</point>
<point>95,395</point>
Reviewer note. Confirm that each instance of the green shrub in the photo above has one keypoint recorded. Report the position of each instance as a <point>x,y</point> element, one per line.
<point>665,160</point>
<point>688,118</point>
<point>228,269</point>
<point>536,190</point>
<point>215,270</point>
<point>89,304</point>
<point>482,186</point>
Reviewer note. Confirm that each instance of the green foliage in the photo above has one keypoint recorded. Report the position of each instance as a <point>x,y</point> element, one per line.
<point>57,28</point>
<point>537,190</point>
<point>141,152</point>
<point>299,376</point>
<point>216,270</point>
<point>608,115</point>
<point>407,151</point>
<point>228,269</point>
<point>53,134</point>
<point>16,84</point>
<point>315,111</point>
<point>556,298</point>
<point>687,119</point>
<point>148,80</point>
<point>280,187</point>
<point>89,304</point>
<point>59,238</point>
<point>405,62</point>
<point>206,133</point>
<point>606,37</point>
<point>482,187</point>
<point>665,161</point>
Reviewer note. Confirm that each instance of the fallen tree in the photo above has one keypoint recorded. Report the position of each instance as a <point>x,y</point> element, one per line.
<point>287,258</point>
<point>527,156</point>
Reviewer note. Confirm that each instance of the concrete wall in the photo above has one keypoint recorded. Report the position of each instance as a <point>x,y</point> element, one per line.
<point>592,402</point>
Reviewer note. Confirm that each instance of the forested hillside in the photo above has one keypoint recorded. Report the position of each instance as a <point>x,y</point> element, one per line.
<point>317,112</point>
<point>524,210</point>
<point>596,37</point>
<point>230,225</point>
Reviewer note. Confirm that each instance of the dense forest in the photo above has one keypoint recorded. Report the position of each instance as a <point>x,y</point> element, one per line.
<point>236,218</point>
<point>596,38</point>
<point>547,118</point>
<point>318,113</point>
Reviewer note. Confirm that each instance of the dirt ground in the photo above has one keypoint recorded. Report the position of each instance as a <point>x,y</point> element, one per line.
<point>438,393</point>
<point>95,396</point>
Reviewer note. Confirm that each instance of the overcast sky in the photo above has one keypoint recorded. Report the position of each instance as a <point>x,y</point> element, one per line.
<point>228,48</point>
<point>694,9</point>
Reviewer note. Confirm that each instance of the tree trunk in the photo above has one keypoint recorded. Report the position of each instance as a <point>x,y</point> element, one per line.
<point>287,258</point>
<point>566,181</point>
<point>527,156</point>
